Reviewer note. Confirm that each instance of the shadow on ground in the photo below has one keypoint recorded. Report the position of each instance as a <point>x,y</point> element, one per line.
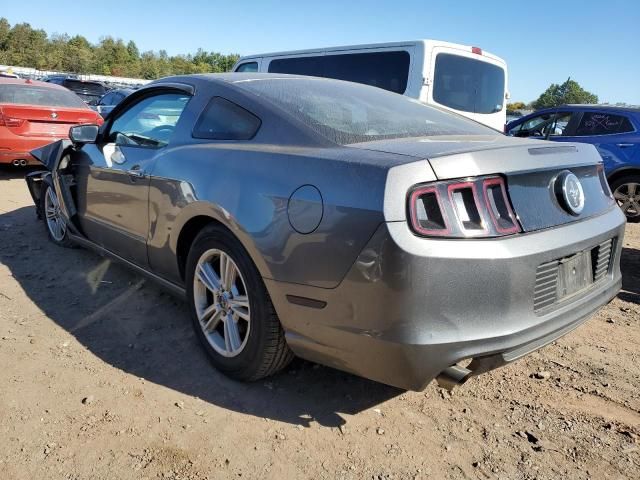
<point>8,172</point>
<point>630,266</point>
<point>136,327</point>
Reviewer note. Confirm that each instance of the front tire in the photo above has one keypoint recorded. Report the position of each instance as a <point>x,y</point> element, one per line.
<point>54,222</point>
<point>626,191</point>
<point>231,310</point>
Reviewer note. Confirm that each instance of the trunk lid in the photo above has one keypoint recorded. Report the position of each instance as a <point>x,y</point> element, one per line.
<point>43,121</point>
<point>533,170</point>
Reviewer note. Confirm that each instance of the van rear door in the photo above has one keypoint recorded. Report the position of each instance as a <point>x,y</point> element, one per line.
<point>469,83</point>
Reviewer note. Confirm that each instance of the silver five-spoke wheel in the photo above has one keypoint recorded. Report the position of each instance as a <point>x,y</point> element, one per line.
<point>628,197</point>
<point>55,221</point>
<point>222,302</point>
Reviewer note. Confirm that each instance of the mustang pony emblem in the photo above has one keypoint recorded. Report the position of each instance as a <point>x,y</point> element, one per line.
<point>570,193</point>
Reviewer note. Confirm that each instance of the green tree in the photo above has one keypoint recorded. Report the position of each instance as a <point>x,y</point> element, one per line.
<point>516,106</point>
<point>24,46</point>
<point>5,28</point>
<point>568,92</point>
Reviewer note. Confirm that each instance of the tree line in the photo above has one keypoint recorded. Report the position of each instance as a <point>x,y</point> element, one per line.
<point>24,46</point>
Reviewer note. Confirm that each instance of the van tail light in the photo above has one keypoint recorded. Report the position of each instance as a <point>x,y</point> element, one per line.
<point>476,50</point>
<point>9,121</point>
<point>472,208</point>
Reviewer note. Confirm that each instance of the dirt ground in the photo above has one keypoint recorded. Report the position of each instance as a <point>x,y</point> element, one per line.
<point>101,377</point>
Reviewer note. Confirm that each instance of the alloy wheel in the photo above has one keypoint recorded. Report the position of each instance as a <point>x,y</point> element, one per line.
<point>628,197</point>
<point>55,222</point>
<point>222,302</point>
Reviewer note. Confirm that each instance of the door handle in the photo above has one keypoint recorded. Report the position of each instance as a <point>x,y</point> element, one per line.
<point>135,172</point>
<point>625,145</point>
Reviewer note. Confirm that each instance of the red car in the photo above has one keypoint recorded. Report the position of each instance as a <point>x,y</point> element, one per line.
<point>33,114</point>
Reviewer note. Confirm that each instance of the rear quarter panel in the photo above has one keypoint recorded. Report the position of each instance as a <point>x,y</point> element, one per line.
<point>247,186</point>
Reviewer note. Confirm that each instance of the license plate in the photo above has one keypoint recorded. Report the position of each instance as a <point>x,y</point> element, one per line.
<point>574,274</point>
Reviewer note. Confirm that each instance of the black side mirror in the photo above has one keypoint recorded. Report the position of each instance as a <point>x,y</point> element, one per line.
<point>81,134</point>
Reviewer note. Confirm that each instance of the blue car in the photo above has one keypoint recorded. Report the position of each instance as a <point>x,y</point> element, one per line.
<point>614,131</point>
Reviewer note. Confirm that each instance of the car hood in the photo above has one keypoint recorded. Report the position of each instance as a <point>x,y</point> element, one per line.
<point>440,145</point>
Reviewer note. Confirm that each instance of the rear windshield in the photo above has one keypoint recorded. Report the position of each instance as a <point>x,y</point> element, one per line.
<point>92,88</point>
<point>35,95</point>
<point>388,70</point>
<point>467,84</point>
<point>346,112</point>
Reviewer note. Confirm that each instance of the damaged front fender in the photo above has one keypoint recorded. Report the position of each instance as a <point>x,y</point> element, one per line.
<point>55,157</point>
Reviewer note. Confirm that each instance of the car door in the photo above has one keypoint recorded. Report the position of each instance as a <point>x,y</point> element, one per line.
<point>113,179</point>
<point>613,134</point>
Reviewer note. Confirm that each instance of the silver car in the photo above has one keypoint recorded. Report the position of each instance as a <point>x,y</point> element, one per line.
<point>339,222</point>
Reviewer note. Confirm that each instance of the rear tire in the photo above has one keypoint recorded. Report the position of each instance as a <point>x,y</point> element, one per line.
<point>231,310</point>
<point>54,223</point>
<point>626,191</point>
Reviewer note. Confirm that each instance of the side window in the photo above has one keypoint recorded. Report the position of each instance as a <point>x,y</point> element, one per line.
<point>247,67</point>
<point>558,125</point>
<point>107,99</point>
<point>149,122</point>
<point>224,120</point>
<point>532,127</point>
<point>311,66</point>
<point>596,123</point>
<point>388,70</point>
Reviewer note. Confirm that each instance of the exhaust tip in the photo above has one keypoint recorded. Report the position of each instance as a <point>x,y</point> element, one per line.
<point>23,163</point>
<point>453,376</point>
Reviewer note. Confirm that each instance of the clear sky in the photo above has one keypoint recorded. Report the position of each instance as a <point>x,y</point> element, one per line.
<point>596,42</point>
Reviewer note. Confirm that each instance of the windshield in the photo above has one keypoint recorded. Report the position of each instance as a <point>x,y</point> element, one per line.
<point>42,96</point>
<point>467,84</point>
<point>346,112</point>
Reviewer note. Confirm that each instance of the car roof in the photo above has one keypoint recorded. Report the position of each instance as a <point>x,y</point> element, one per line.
<point>590,106</point>
<point>29,82</point>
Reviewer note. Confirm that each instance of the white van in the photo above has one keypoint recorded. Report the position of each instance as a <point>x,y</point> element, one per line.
<point>464,79</point>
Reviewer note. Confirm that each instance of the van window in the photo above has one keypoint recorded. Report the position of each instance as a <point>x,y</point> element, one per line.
<point>311,66</point>
<point>247,67</point>
<point>387,70</point>
<point>467,84</point>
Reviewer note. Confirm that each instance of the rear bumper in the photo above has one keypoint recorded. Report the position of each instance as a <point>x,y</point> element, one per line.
<point>7,157</point>
<point>16,147</point>
<point>411,307</point>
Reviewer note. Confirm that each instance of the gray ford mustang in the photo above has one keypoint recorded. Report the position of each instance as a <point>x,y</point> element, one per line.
<point>339,222</point>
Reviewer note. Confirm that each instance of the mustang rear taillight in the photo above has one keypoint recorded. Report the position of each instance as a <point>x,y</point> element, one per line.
<point>478,207</point>
<point>8,121</point>
<point>427,213</point>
